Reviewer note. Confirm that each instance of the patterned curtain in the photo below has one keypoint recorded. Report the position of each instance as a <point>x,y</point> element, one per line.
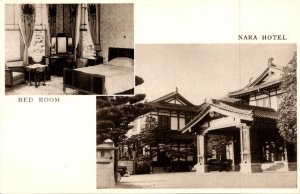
<point>77,29</point>
<point>45,11</point>
<point>27,21</point>
<point>72,19</point>
<point>92,18</point>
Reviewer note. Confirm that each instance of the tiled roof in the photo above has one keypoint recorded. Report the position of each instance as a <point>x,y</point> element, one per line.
<point>255,89</point>
<point>173,95</point>
<point>258,84</point>
<point>253,112</point>
<point>230,99</point>
<point>175,107</point>
<point>195,119</point>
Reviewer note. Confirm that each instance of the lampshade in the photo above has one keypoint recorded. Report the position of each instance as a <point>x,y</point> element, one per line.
<point>53,42</point>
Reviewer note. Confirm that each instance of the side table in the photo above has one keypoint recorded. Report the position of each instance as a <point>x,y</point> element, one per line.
<point>91,61</point>
<point>36,69</point>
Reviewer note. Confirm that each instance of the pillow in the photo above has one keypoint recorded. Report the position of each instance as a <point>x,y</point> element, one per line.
<point>121,61</point>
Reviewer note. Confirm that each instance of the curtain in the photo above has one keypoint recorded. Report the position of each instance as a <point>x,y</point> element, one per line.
<point>92,18</point>
<point>77,29</point>
<point>48,28</point>
<point>27,21</point>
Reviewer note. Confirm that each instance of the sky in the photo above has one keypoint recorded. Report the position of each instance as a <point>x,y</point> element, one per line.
<point>202,71</point>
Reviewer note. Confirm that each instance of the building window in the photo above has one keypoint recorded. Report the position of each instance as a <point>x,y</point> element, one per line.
<point>181,123</point>
<point>12,45</point>
<point>13,39</point>
<point>279,100</point>
<point>164,121</point>
<point>266,102</point>
<point>274,103</point>
<point>252,103</point>
<point>174,123</point>
<point>259,102</point>
<point>188,118</point>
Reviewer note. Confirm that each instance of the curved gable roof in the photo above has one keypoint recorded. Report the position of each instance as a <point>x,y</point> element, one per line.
<point>246,112</point>
<point>174,101</point>
<point>271,76</point>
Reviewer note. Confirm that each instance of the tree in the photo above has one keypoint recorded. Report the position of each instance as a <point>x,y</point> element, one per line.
<point>218,143</point>
<point>287,112</point>
<point>155,135</point>
<point>114,118</point>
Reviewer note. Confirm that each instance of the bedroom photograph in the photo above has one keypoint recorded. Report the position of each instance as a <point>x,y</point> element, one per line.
<point>69,49</point>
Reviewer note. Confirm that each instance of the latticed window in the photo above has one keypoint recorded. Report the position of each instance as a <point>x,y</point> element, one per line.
<point>13,41</point>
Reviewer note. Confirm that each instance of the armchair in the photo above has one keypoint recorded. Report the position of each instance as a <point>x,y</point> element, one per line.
<point>14,73</point>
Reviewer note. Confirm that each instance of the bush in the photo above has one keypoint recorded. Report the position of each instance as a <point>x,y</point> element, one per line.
<point>143,165</point>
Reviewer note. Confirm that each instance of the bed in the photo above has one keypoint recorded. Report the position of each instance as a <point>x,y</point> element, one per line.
<point>111,78</point>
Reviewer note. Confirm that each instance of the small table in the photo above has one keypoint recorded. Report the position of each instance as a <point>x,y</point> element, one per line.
<point>36,69</point>
<point>91,61</point>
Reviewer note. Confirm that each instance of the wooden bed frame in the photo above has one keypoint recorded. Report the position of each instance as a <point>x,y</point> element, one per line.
<point>93,83</point>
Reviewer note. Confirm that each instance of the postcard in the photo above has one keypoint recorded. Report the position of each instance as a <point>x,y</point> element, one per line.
<point>143,96</point>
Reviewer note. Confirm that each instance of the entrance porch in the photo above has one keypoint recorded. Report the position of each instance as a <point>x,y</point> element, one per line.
<point>254,143</point>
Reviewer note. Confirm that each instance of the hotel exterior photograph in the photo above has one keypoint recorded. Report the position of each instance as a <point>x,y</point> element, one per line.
<point>202,111</point>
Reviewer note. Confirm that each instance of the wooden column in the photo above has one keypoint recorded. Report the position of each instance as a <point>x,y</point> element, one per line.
<point>245,149</point>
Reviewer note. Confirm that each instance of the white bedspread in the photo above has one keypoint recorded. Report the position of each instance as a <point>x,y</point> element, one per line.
<point>117,79</point>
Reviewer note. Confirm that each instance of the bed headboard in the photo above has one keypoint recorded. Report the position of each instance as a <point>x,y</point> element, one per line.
<point>120,52</point>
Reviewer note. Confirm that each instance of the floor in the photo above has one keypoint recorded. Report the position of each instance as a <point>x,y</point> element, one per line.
<point>53,87</point>
<point>211,180</point>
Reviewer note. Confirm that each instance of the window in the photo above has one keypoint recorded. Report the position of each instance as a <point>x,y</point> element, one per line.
<point>253,103</point>
<point>164,121</point>
<point>181,123</point>
<point>266,102</point>
<point>259,102</point>
<point>12,44</point>
<point>174,123</point>
<point>274,103</point>
<point>102,153</point>
<point>13,39</point>
<point>279,100</point>
<point>188,118</point>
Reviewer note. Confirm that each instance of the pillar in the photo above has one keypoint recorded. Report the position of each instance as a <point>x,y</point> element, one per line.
<point>245,149</point>
<point>285,151</point>
<point>230,148</point>
<point>201,155</point>
<point>285,162</point>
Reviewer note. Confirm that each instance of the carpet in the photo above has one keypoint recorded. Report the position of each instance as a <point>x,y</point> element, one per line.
<point>53,87</point>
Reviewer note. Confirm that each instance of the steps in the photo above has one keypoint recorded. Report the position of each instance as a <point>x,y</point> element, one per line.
<point>156,170</point>
<point>277,166</point>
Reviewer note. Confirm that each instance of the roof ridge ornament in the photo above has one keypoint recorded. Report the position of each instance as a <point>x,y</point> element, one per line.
<point>270,62</point>
<point>272,65</point>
